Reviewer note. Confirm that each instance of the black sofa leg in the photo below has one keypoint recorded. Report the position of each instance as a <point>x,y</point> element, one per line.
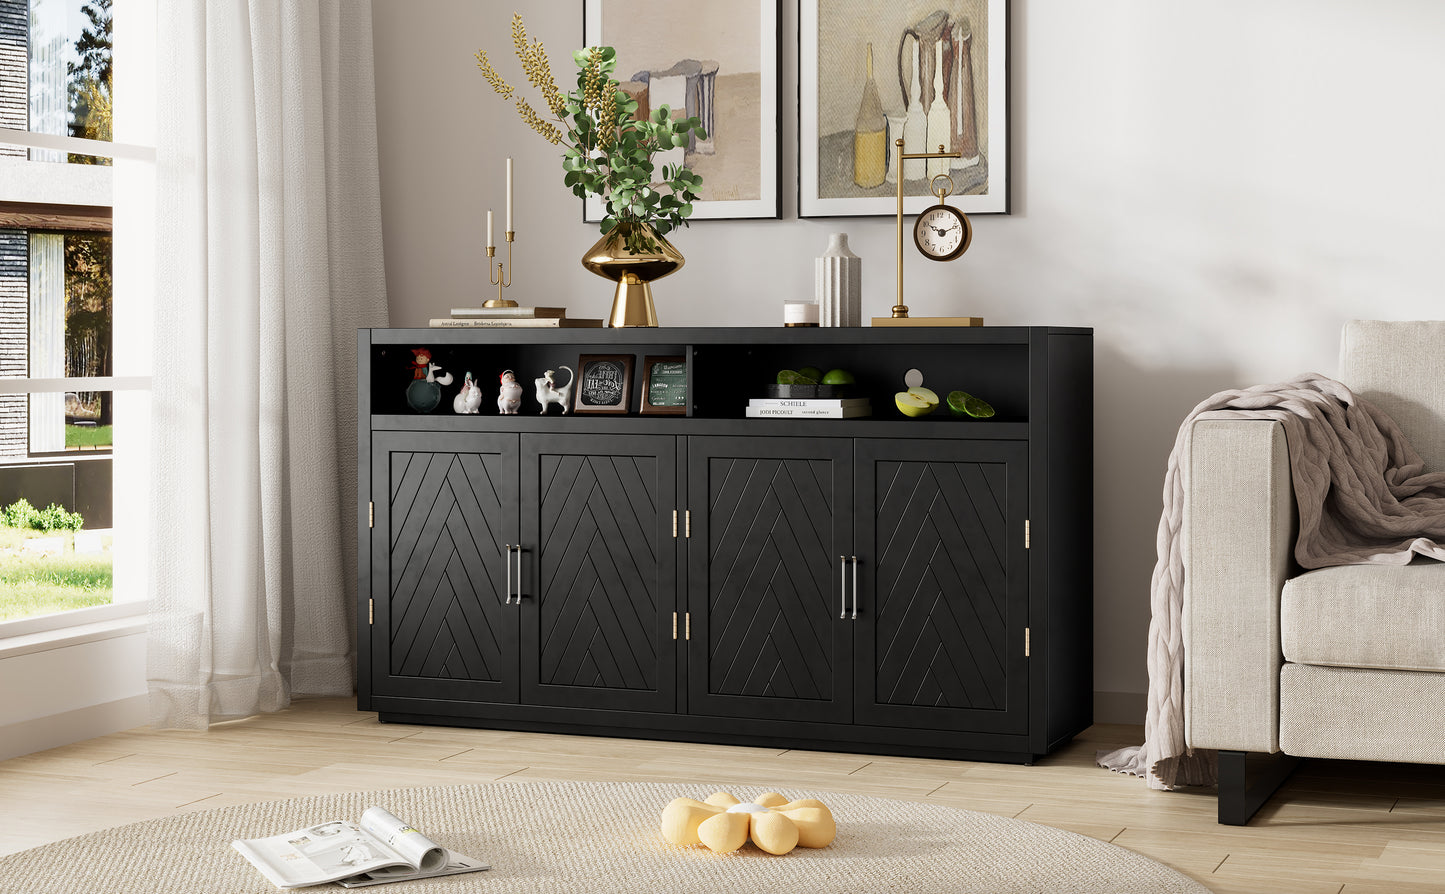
<point>1246,781</point>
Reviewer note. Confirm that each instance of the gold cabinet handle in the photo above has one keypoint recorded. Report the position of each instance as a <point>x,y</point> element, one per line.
<point>842,588</point>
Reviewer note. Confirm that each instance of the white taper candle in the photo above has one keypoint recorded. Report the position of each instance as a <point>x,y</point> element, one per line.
<point>491,243</point>
<point>509,196</point>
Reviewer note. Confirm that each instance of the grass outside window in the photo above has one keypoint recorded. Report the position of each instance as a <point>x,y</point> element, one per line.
<point>32,584</point>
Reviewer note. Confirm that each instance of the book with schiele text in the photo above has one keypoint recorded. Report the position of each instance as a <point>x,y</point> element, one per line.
<point>504,313</point>
<point>380,849</point>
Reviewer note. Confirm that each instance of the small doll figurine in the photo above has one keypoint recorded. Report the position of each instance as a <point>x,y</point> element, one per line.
<point>549,393</point>
<point>510,398</point>
<point>425,392</point>
<point>469,399</point>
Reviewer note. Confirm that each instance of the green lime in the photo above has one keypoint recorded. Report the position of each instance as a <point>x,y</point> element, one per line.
<point>793,377</point>
<point>811,372</point>
<point>838,377</point>
<point>961,403</point>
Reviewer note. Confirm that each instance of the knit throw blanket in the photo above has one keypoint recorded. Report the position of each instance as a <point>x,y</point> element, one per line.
<point>1363,497</point>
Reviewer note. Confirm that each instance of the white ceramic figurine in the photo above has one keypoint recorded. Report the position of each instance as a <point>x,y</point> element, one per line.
<point>469,399</point>
<point>549,393</point>
<point>510,398</point>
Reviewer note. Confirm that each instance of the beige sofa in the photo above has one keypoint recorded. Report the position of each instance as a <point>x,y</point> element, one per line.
<point>1343,662</point>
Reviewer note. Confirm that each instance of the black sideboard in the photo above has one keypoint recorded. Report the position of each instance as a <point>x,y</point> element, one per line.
<point>916,586</point>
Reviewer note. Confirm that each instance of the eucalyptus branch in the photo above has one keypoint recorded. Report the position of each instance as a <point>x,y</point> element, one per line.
<point>606,151</point>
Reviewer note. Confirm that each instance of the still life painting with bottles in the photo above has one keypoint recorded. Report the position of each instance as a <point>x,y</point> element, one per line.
<point>916,70</point>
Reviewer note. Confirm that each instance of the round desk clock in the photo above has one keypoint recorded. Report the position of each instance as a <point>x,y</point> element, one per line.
<point>942,232</point>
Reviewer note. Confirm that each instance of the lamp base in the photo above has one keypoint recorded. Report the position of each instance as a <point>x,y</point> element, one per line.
<point>499,302</point>
<point>632,304</point>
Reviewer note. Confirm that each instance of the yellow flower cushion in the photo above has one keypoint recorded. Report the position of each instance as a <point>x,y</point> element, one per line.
<point>724,824</point>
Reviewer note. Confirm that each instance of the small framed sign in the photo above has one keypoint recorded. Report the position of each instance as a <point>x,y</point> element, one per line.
<point>604,383</point>
<point>664,385</point>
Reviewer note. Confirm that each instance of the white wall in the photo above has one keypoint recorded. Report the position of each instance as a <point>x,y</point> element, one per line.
<point>1214,188</point>
<point>55,694</point>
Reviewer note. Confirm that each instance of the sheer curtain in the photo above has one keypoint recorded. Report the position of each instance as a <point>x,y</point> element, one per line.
<point>268,259</point>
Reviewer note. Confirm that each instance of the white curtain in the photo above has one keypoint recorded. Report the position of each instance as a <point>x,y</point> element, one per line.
<point>268,259</point>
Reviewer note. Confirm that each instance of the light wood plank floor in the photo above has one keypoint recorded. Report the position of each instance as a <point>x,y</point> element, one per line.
<point>1338,827</point>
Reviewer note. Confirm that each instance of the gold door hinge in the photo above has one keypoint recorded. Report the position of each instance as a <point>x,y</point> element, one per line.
<point>1026,534</point>
<point>674,537</point>
<point>371,611</point>
<point>687,626</point>
<point>687,519</point>
<point>371,515</point>
<point>1026,642</point>
<point>674,625</point>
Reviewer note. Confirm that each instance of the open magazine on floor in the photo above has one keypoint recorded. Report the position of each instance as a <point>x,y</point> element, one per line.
<point>380,849</point>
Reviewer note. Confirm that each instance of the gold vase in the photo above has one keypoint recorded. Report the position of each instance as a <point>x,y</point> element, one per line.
<point>632,255</point>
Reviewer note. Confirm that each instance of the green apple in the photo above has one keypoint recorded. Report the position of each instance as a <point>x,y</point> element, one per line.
<point>913,405</point>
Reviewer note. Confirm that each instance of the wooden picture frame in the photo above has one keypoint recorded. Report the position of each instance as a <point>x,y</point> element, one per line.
<point>662,392</point>
<point>720,62</point>
<point>604,384</point>
<point>842,114</point>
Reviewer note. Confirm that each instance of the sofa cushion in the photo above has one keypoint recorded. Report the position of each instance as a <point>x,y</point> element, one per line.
<point>1378,616</point>
<point>1400,368</point>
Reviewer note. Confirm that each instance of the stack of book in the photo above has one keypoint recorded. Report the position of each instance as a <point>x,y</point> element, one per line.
<point>512,318</point>
<point>808,408</point>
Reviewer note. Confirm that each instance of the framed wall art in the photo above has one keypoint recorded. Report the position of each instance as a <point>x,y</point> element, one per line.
<point>664,386</point>
<point>604,383</point>
<point>715,61</point>
<point>929,71</point>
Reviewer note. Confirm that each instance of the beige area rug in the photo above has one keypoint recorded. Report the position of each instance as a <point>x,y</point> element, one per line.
<point>581,837</point>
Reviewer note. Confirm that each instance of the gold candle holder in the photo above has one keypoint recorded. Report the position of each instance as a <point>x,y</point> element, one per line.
<point>900,310</point>
<point>501,277</point>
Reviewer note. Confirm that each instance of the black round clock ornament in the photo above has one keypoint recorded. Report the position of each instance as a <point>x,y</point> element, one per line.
<point>942,232</point>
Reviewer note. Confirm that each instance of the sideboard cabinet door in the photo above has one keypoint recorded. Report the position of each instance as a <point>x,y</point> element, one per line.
<point>600,587</point>
<point>943,585</point>
<point>770,519</point>
<point>445,509</point>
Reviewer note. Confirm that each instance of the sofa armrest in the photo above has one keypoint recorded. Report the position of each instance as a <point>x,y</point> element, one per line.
<point>1238,536</point>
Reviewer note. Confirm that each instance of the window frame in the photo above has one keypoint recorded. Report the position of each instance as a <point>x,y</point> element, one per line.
<point>131,206</point>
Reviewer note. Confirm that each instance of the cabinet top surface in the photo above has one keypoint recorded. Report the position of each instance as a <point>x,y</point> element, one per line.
<point>725,335</point>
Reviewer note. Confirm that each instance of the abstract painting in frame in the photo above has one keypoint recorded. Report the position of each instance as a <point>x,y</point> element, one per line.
<point>715,61</point>
<point>939,75</point>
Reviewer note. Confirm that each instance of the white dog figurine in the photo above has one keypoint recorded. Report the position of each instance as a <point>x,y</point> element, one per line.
<point>549,393</point>
<point>510,398</point>
<point>469,399</point>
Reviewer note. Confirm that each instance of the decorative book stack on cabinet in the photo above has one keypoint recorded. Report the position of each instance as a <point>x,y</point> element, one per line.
<point>882,584</point>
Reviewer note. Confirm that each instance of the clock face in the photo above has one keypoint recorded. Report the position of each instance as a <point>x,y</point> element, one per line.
<point>942,233</point>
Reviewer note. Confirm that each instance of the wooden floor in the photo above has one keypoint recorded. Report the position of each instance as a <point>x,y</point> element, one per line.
<point>1337,827</point>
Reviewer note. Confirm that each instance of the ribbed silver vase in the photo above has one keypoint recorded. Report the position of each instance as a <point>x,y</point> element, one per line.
<point>838,284</point>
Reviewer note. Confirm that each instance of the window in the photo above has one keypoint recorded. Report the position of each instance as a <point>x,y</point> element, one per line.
<point>75,248</point>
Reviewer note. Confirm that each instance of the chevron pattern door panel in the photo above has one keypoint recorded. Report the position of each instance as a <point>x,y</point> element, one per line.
<point>601,591</point>
<point>941,634</point>
<point>445,629</point>
<point>770,518</point>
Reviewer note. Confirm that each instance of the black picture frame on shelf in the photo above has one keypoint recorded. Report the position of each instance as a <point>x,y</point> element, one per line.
<point>604,384</point>
<point>664,386</point>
